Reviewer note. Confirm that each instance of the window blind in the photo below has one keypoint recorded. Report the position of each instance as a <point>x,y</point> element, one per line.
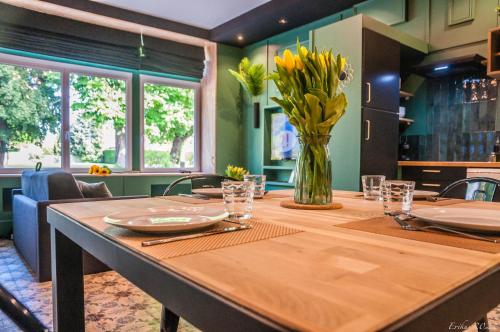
<point>26,30</point>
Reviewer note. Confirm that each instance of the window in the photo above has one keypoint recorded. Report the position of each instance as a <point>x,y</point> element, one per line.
<point>170,124</point>
<point>62,115</point>
<point>30,117</point>
<point>98,108</point>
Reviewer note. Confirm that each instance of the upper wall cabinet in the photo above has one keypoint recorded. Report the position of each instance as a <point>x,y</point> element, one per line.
<point>459,22</point>
<point>460,11</point>
<point>380,72</point>
<point>388,12</point>
<point>494,53</point>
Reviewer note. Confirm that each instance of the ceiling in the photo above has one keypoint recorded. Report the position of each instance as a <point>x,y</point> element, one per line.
<point>199,13</point>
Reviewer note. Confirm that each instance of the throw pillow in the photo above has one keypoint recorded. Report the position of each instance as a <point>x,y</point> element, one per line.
<point>94,190</point>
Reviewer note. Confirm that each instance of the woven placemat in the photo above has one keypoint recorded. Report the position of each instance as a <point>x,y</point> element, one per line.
<point>387,226</point>
<point>259,231</point>
<point>439,202</point>
<point>192,200</point>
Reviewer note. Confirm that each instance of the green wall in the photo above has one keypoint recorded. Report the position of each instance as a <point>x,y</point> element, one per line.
<point>345,144</point>
<point>230,104</point>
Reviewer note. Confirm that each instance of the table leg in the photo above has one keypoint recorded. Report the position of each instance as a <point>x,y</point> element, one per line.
<point>67,283</point>
<point>482,324</point>
<point>169,320</point>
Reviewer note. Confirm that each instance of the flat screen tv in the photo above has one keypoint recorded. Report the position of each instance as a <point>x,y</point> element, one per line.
<point>284,143</point>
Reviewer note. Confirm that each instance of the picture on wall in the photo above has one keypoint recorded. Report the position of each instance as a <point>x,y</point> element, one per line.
<point>284,143</point>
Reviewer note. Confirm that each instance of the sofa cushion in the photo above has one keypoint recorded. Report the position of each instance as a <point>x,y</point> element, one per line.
<point>49,185</point>
<point>94,190</point>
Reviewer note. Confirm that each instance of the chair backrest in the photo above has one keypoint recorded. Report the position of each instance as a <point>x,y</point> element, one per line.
<point>476,188</point>
<point>197,182</point>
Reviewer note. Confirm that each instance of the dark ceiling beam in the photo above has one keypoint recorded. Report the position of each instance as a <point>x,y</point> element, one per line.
<point>262,22</point>
<point>134,17</point>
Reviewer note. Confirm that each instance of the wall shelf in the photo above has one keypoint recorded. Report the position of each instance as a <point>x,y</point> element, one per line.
<point>406,120</point>
<point>278,172</point>
<point>405,95</point>
<point>279,167</point>
<point>280,184</point>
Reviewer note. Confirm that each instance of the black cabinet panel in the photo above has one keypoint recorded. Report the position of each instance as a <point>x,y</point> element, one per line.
<point>379,143</point>
<point>381,62</point>
<point>435,178</point>
<point>434,173</point>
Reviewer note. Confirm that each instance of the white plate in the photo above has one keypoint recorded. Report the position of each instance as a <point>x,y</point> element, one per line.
<point>423,194</point>
<point>168,219</point>
<point>471,219</point>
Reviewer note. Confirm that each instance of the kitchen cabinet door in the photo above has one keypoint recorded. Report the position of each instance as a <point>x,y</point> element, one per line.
<point>379,143</point>
<point>381,61</point>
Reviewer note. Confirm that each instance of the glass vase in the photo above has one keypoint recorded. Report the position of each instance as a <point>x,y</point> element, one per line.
<point>313,171</point>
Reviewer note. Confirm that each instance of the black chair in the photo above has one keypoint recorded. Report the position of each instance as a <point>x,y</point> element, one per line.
<point>19,314</point>
<point>476,188</point>
<point>196,182</point>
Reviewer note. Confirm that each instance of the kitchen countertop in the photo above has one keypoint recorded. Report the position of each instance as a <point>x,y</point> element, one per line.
<point>472,164</point>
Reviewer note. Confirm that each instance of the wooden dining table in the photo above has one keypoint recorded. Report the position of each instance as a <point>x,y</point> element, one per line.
<point>316,275</point>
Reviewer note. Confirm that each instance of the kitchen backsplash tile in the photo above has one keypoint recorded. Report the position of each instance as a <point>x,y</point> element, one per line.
<point>460,114</point>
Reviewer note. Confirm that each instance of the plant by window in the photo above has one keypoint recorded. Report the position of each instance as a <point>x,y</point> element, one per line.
<point>250,76</point>
<point>236,172</point>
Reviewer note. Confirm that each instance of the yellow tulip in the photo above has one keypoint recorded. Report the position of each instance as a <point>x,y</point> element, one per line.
<point>298,63</point>
<point>322,60</point>
<point>278,60</point>
<point>289,60</point>
<point>303,51</point>
<point>343,61</point>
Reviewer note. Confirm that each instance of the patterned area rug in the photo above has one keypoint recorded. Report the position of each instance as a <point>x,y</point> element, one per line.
<point>111,302</point>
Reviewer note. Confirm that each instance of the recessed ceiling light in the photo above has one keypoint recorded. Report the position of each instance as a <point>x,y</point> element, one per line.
<point>283,21</point>
<point>239,37</point>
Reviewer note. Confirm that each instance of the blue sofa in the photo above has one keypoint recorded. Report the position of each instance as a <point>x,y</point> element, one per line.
<point>30,227</point>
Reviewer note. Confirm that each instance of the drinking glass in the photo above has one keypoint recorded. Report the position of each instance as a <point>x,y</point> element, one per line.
<point>259,182</point>
<point>238,198</point>
<point>372,186</point>
<point>398,196</point>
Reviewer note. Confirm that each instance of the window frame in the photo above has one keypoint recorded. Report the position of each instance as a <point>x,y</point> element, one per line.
<point>196,86</point>
<point>65,70</point>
